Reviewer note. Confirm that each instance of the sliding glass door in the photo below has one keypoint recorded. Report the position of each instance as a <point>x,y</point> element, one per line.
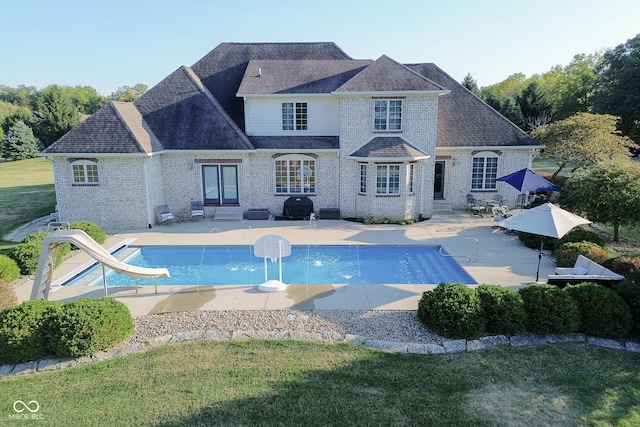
<point>220,184</point>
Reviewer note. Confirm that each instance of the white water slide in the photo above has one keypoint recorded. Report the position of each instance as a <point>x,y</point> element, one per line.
<point>44,273</point>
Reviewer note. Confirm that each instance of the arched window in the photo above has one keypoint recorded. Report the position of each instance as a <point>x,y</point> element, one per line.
<point>84,171</point>
<point>484,171</point>
<point>295,174</point>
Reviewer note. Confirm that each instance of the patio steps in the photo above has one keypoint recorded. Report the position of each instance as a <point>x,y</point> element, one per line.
<point>441,207</point>
<point>228,213</point>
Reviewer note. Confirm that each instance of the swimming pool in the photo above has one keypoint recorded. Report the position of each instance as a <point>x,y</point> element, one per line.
<point>237,265</point>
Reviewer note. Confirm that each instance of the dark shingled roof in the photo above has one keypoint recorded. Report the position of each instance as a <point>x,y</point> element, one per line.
<point>116,128</point>
<point>185,116</point>
<point>222,69</point>
<point>387,75</point>
<point>298,76</point>
<point>296,142</point>
<point>464,120</point>
<point>388,147</point>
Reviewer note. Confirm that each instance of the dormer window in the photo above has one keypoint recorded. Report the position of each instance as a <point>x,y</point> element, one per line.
<point>387,115</point>
<point>294,116</point>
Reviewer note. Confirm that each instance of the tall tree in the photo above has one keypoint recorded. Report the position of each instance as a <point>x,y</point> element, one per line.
<point>584,138</point>
<point>56,112</point>
<point>574,91</point>
<point>607,193</point>
<point>535,108</point>
<point>618,86</point>
<point>128,93</point>
<point>87,99</point>
<point>20,143</point>
<point>470,83</point>
<point>22,96</point>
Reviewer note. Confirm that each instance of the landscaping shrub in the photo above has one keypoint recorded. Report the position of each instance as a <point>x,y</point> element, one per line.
<point>9,270</point>
<point>533,241</point>
<point>629,291</point>
<point>452,310</point>
<point>503,309</point>
<point>25,330</point>
<point>603,313</point>
<point>581,235</point>
<point>549,310</point>
<point>27,253</point>
<point>626,265</point>
<point>91,229</point>
<point>7,296</point>
<point>567,254</point>
<point>87,326</point>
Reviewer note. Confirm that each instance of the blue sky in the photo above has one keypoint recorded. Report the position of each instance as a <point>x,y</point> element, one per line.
<point>108,44</point>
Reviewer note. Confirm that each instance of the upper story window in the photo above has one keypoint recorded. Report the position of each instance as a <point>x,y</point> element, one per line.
<point>295,174</point>
<point>387,114</point>
<point>387,179</point>
<point>484,171</point>
<point>294,116</point>
<point>84,172</point>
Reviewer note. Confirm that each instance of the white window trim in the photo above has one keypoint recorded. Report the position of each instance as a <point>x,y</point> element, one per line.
<point>485,155</point>
<point>296,116</point>
<point>362,178</point>
<point>388,114</point>
<point>387,187</point>
<point>85,174</point>
<point>295,157</point>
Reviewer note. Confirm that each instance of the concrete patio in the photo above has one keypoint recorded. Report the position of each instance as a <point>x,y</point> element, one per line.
<point>496,258</point>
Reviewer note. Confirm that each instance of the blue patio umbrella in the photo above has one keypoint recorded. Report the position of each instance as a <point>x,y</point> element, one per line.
<point>526,180</point>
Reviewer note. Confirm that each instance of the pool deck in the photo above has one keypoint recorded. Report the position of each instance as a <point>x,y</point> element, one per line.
<point>497,258</point>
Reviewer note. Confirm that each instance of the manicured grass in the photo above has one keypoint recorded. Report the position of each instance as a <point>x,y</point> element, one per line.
<point>304,384</point>
<point>26,193</point>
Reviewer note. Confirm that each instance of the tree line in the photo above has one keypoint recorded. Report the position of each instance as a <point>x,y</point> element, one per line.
<point>31,119</point>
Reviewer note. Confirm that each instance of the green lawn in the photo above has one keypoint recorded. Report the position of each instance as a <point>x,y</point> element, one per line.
<point>296,383</point>
<point>26,193</point>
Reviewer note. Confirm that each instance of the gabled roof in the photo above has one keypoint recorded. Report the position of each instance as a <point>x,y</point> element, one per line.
<point>464,120</point>
<point>116,128</point>
<point>387,75</point>
<point>298,76</point>
<point>388,148</point>
<point>222,69</point>
<point>185,116</point>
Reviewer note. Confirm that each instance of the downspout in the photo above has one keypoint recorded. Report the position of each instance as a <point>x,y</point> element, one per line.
<point>424,189</point>
<point>146,192</point>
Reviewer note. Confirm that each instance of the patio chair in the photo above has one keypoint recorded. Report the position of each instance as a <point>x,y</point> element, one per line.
<point>164,214</point>
<point>197,210</point>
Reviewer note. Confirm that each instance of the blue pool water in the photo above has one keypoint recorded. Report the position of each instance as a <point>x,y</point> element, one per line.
<point>237,265</point>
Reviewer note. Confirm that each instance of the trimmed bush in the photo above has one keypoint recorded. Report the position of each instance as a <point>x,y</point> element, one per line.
<point>27,253</point>
<point>7,297</point>
<point>91,229</point>
<point>629,290</point>
<point>626,265</point>
<point>452,310</point>
<point>9,270</point>
<point>503,309</point>
<point>603,313</point>
<point>533,240</point>
<point>25,330</point>
<point>549,310</point>
<point>89,325</point>
<point>567,254</point>
<point>581,235</point>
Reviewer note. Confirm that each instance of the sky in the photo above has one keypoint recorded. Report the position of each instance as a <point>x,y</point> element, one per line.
<point>113,43</point>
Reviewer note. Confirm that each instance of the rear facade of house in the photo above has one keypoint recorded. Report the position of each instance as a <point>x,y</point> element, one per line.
<point>252,124</point>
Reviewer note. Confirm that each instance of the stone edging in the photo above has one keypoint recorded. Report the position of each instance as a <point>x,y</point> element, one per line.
<point>452,346</point>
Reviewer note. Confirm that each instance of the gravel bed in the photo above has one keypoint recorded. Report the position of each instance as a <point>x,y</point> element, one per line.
<point>399,326</point>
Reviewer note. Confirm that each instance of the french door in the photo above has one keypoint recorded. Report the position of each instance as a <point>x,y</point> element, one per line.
<point>220,184</point>
<point>438,183</point>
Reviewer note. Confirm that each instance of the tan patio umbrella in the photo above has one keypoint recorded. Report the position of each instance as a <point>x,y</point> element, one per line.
<point>545,220</point>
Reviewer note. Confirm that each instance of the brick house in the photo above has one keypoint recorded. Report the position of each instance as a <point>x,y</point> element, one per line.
<point>252,124</point>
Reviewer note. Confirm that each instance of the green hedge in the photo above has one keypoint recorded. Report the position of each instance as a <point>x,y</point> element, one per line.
<point>38,328</point>
<point>549,310</point>
<point>7,296</point>
<point>503,309</point>
<point>91,229</point>
<point>27,253</point>
<point>9,270</point>
<point>629,290</point>
<point>452,310</point>
<point>580,235</point>
<point>603,312</point>
<point>567,254</point>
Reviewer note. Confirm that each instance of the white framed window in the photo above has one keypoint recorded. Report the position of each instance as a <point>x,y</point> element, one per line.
<point>363,179</point>
<point>387,114</point>
<point>387,179</point>
<point>84,172</point>
<point>294,116</point>
<point>484,171</point>
<point>411,171</point>
<point>295,174</point>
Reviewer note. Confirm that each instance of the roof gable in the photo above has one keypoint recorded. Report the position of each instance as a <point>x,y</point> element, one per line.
<point>298,76</point>
<point>117,128</point>
<point>388,147</point>
<point>185,116</point>
<point>387,75</point>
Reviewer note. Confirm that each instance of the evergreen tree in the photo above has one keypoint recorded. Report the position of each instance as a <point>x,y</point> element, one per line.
<point>470,83</point>
<point>20,143</point>
<point>57,114</point>
<point>535,108</point>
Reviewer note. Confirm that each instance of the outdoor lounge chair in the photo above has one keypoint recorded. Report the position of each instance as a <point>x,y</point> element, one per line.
<point>584,270</point>
<point>164,214</point>
<point>197,210</point>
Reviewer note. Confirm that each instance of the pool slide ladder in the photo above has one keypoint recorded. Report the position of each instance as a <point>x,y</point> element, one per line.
<point>46,262</point>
